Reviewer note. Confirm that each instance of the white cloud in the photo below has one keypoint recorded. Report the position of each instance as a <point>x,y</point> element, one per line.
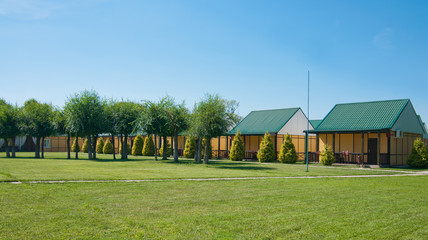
<point>382,40</point>
<point>27,9</point>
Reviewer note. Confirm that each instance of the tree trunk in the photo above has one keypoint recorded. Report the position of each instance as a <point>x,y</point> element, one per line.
<point>125,147</point>
<point>196,150</point>
<point>121,145</point>
<point>114,147</point>
<point>77,152</point>
<point>156,148</point>
<point>43,147</point>
<point>199,150</point>
<point>6,147</point>
<point>68,146</point>
<point>94,147</point>
<point>37,151</point>
<point>206,153</point>
<point>176,147</point>
<point>13,146</point>
<point>165,149</point>
<point>89,147</point>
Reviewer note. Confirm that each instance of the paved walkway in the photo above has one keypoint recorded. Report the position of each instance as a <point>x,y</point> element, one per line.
<point>421,173</point>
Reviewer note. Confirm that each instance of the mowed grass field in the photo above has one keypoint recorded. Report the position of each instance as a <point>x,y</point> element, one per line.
<point>324,208</point>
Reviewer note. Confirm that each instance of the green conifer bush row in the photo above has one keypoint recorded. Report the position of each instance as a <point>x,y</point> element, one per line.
<point>100,145</point>
<point>237,151</point>
<point>418,158</point>
<point>85,146</point>
<point>108,147</point>
<point>288,152</point>
<point>327,156</point>
<point>149,146</point>
<point>190,147</point>
<point>266,152</point>
<point>75,147</point>
<point>168,149</point>
<point>137,148</point>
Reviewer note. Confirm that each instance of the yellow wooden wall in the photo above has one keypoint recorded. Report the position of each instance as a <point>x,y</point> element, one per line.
<point>402,147</point>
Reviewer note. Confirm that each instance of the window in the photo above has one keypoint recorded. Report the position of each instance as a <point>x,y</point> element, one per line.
<point>47,143</point>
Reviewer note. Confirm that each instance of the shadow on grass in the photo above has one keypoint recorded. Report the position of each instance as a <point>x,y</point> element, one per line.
<point>223,164</point>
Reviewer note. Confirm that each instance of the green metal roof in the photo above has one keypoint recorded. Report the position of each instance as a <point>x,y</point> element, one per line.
<point>315,123</point>
<point>362,116</point>
<point>258,122</point>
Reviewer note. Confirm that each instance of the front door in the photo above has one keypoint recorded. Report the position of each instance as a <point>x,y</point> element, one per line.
<point>372,151</point>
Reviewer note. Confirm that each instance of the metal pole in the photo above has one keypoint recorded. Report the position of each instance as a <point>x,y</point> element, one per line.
<point>307,134</point>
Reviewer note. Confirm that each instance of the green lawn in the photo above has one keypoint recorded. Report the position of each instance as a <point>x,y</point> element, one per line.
<point>56,167</point>
<point>356,208</point>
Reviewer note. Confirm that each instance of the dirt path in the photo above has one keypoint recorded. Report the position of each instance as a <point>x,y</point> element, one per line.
<point>422,173</point>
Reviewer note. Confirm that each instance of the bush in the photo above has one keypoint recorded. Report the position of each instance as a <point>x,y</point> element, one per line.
<point>210,149</point>
<point>85,146</point>
<point>327,156</point>
<point>75,147</point>
<point>418,158</point>
<point>168,149</point>
<point>100,145</point>
<point>288,151</point>
<point>129,148</point>
<point>108,147</point>
<point>137,149</point>
<point>190,148</point>
<point>149,146</point>
<point>266,152</point>
<point>237,151</point>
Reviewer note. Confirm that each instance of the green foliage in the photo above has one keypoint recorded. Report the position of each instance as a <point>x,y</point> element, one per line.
<point>190,148</point>
<point>237,151</point>
<point>149,146</point>
<point>210,150</point>
<point>288,151</point>
<point>168,149</point>
<point>85,146</point>
<point>100,145</point>
<point>108,147</point>
<point>266,152</point>
<point>137,148</point>
<point>129,148</point>
<point>75,147</point>
<point>10,120</point>
<point>38,119</point>
<point>418,158</point>
<point>327,156</point>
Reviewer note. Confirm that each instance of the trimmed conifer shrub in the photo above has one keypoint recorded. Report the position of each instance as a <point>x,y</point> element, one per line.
<point>288,152</point>
<point>237,151</point>
<point>168,149</point>
<point>75,147</point>
<point>190,148</point>
<point>418,158</point>
<point>129,148</point>
<point>137,148</point>
<point>149,146</point>
<point>210,149</point>
<point>327,156</point>
<point>85,146</point>
<point>108,147</point>
<point>266,152</point>
<point>100,145</point>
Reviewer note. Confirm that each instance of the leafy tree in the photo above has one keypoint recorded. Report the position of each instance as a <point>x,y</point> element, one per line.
<point>154,120</point>
<point>62,127</point>
<point>100,145</point>
<point>137,148</point>
<point>149,147</point>
<point>87,112</point>
<point>124,118</point>
<point>108,147</point>
<point>75,147</point>
<point>10,119</point>
<point>85,146</point>
<point>167,151</point>
<point>327,156</point>
<point>266,151</point>
<point>178,120</point>
<point>418,158</point>
<point>128,149</point>
<point>189,148</point>
<point>288,151</point>
<point>237,151</point>
<point>212,117</point>
<point>38,121</point>
<point>110,123</point>
<point>206,142</point>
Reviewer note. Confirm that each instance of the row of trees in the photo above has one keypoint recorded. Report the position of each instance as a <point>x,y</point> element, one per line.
<point>86,114</point>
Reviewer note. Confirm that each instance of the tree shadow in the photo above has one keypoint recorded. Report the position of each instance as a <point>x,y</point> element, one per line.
<point>224,164</point>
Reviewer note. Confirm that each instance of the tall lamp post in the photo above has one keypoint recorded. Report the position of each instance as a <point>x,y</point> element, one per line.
<point>307,135</point>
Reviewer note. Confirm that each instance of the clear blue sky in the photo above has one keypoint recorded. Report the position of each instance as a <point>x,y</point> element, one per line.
<point>256,52</point>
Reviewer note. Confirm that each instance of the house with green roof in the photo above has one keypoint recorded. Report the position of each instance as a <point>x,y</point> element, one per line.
<point>379,132</point>
<point>278,122</point>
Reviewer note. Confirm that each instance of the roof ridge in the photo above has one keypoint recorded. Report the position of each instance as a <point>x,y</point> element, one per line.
<point>377,101</point>
<point>276,109</point>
